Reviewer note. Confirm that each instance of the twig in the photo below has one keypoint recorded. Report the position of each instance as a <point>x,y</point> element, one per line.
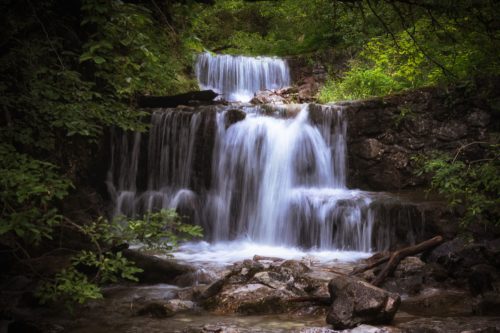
<point>397,256</point>
<point>389,31</point>
<point>465,146</point>
<point>162,14</point>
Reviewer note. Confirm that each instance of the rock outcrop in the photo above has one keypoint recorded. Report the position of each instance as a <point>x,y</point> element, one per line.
<point>384,134</point>
<point>253,287</point>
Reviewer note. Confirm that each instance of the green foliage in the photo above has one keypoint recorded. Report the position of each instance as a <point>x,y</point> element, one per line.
<point>473,185</point>
<point>130,52</point>
<point>70,287</point>
<point>284,28</point>
<point>27,189</point>
<point>434,51</point>
<point>160,231</point>
<point>64,79</point>
<point>358,82</point>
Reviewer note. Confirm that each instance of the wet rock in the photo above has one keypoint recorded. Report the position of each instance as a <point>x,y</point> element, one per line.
<point>268,97</point>
<point>368,149</point>
<point>356,302</point>
<point>271,279</point>
<point>155,310</point>
<point>252,298</point>
<point>218,329</point>
<point>307,90</point>
<point>458,257</point>
<point>439,302</point>
<point>409,266</point>
<point>359,329</point>
<point>453,130</point>
<point>178,305</point>
<point>233,116</point>
<point>487,304</point>
<point>481,278</point>
<point>256,288</point>
<point>451,325</point>
<point>479,118</point>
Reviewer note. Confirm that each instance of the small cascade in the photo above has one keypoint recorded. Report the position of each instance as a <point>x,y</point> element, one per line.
<point>274,175</point>
<point>237,78</point>
<point>166,165</point>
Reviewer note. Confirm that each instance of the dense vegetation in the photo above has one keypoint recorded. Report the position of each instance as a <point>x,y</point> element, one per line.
<point>71,69</point>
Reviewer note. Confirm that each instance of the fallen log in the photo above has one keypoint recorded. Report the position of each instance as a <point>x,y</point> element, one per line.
<point>399,255</point>
<point>175,100</point>
<point>369,266</point>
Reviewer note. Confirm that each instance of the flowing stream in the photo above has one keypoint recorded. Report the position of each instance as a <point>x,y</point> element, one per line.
<point>276,179</point>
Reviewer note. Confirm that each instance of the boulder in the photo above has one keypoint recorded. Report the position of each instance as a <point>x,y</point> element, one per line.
<point>268,97</point>
<point>233,116</point>
<point>155,310</point>
<point>356,302</point>
<point>253,287</point>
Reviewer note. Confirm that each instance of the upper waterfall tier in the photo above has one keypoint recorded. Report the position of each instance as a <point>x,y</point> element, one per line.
<point>237,78</point>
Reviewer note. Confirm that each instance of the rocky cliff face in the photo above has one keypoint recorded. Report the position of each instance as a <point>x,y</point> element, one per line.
<point>385,133</point>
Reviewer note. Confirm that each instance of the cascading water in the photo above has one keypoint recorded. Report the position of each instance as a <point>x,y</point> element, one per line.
<point>237,78</point>
<point>277,177</point>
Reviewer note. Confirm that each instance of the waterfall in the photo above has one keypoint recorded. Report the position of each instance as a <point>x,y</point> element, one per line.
<point>237,78</point>
<point>276,177</point>
<point>169,164</point>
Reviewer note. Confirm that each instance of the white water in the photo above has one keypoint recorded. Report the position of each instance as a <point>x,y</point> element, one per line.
<point>278,185</point>
<point>226,253</point>
<point>237,78</point>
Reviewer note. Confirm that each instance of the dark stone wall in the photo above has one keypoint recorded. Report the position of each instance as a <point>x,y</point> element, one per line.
<point>385,133</point>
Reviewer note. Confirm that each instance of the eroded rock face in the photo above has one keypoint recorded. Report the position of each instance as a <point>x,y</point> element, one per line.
<point>355,302</point>
<point>385,133</point>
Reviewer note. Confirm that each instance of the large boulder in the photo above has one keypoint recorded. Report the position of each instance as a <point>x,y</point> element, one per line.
<point>261,288</point>
<point>356,302</point>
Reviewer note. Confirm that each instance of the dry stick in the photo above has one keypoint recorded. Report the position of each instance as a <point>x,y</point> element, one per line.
<point>459,150</point>
<point>413,38</point>
<point>397,256</point>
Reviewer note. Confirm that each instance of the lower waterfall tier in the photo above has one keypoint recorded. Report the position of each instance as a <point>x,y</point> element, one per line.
<point>276,176</point>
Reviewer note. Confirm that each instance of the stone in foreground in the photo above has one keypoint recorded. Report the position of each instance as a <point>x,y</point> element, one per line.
<point>356,302</point>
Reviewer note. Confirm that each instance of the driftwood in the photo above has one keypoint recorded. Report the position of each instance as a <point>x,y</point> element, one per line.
<point>175,100</point>
<point>374,261</point>
<point>393,259</point>
<point>399,255</point>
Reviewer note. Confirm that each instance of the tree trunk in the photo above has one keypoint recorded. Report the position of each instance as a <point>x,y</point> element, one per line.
<point>175,100</point>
